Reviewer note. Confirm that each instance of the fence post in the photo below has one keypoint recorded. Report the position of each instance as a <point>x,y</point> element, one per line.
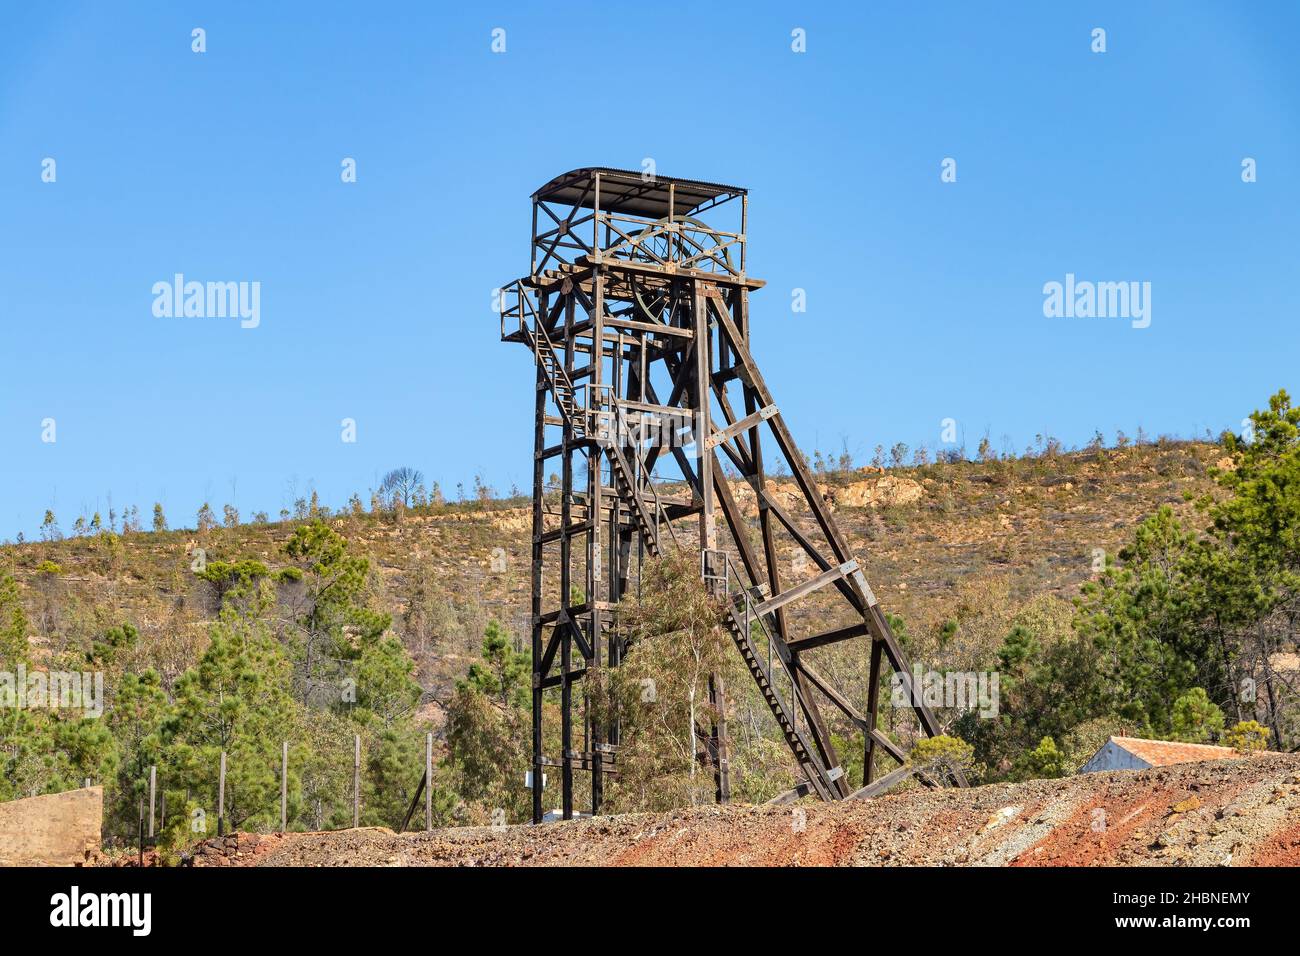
<point>428,781</point>
<point>221,797</point>
<point>153,796</point>
<point>284,786</point>
<point>356,783</point>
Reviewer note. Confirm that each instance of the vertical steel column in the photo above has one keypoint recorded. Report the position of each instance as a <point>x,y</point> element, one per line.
<point>596,548</point>
<point>700,401</point>
<point>566,586</point>
<point>539,555</point>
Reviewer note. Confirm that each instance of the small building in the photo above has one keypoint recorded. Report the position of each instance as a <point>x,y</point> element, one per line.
<point>1134,753</point>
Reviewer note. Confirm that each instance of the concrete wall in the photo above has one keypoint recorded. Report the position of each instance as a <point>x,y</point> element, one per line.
<point>52,830</point>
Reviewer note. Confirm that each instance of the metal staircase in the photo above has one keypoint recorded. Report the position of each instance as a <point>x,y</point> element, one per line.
<point>557,379</point>
<point>599,419</point>
<point>769,667</point>
<point>604,408</point>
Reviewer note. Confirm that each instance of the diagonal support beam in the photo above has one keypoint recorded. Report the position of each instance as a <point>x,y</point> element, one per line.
<point>807,587</point>
<point>734,429</point>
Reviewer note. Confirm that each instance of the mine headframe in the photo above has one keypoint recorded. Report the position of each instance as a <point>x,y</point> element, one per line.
<point>636,310</point>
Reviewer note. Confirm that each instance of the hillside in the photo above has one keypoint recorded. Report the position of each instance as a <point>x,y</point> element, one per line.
<point>365,631</point>
<point>971,541</point>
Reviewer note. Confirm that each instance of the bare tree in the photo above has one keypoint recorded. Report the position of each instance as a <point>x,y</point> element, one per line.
<point>400,484</point>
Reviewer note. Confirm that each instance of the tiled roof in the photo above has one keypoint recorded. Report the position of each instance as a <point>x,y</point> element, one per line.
<point>1161,753</point>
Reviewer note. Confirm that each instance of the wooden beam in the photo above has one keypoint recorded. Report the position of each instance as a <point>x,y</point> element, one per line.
<point>836,698</point>
<point>807,587</point>
<point>646,268</point>
<point>833,636</point>
<point>790,796</point>
<point>749,421</point>
<point>887,782</point>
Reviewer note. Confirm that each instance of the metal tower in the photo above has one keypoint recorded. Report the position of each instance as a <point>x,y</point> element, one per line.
<point>636,310</point>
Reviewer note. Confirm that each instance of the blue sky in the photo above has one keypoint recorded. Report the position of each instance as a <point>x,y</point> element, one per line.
<point>924,298</point>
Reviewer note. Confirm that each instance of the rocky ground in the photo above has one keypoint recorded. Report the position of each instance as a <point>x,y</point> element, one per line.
<point>1231,812</point>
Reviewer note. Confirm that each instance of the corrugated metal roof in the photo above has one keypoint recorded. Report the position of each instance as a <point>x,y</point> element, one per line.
<point>627,191</point>
<point>1162,753</point>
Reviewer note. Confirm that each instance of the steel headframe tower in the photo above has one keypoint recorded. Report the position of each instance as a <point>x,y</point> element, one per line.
<point>636,310</point>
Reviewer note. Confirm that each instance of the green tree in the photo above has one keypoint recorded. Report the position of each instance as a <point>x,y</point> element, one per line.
<point>1250,566</point>
<point>236,699</point>
<point>1141,617</point>
<point>659,694</point>
<point>487,754</point>
<point>394,766</point>
<point>1196,719</point>
<point>1049,684</point>
<point>13,624</point>
<point>1246,735</point>
<point>336,624</point>
<point>487,730</point>
<point>1262,516</point>
<point>386,691</point>
<point>116,640</point>
<point>502,673</point>
<point>136,722</point>
<point>239,584</point>
<point>943,750</point>
<point>1044,761</point>
<point>83,747</point>
<point>43,751</point>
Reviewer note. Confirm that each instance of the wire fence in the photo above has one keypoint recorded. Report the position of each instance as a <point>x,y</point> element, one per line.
<point>152,812</point>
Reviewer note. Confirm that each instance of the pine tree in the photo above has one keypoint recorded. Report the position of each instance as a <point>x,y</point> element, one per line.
<point>1195,718</point>
<point>386,690</point>
<point>136,721</point>
<point>237,700</point>
<point>335,583</point>
<point>502,674</point>
<point>1044,761</point>
<point>13,624</point>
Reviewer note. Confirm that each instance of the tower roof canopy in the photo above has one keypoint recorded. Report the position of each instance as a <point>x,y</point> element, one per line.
<point>627,191</point>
